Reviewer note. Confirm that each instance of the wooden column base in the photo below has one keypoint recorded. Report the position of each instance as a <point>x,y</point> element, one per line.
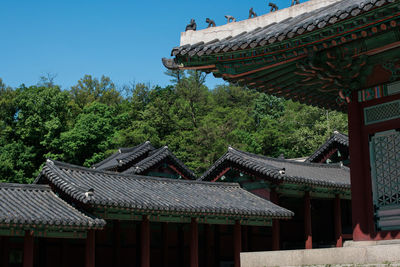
<point>307,220</point>
<point>237,243</point>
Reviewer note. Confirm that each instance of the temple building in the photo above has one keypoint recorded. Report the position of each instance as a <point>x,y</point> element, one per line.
<point>144,159</point>
<point>105,218</point>
<point>342,55</point>
<point>38,228</point>
<point>318,194</point>
<point>334,150</point>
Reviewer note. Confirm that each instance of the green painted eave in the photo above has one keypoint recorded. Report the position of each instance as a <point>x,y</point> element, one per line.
<point>160,216</point>
<point>42,232</point>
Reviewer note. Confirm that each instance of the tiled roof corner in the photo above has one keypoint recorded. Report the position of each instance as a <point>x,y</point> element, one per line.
<point>37,205</point>
<point>336,139</point>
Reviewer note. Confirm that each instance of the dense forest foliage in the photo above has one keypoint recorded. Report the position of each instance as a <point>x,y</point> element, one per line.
<point>89,121</point>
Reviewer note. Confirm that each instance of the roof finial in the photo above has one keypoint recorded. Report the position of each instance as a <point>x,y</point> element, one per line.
<point>252,14</point>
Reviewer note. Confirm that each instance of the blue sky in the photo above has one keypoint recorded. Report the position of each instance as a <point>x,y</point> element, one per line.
<point>124,40</point>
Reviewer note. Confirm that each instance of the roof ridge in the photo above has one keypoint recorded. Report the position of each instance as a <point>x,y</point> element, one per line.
<point>135,176</point>
<point>130,149</point>
<point>344,139</point>
<point>310,164</point>
<point>25,186</point>
<point>109,158</point>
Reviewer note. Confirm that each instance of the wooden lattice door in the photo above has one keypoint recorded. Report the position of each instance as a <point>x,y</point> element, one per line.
<point>385,174</point>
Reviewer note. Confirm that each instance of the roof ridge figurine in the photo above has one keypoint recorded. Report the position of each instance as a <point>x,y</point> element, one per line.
<point>252,14</point>
<point>230,18</point>
<point>191,26</point>
<point>295,2</point>
<point>273,6</point>
<point>210,22</point>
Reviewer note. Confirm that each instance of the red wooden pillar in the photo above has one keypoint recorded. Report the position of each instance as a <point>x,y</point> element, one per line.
<point>207,245</point>
<point>90,248</point>
<point>245,243</point>
<point>275,223</point>
<point>360,207</point>
<point>145,242</point>
<point>64,253</point>
<point>165,243</point>
<point>307,220</point>
<point>28,249</point>
<point>217,244</point>
<point>194,243</point>
<point>338,222</point>
<point>181,245</point>
<point>237,243</point>
<point>116,242</point>
<point>5,251</point>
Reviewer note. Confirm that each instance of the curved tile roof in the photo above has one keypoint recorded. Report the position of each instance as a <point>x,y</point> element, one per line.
<point>313,174</point>
<point>124,156</point>
<point>157,156</point>
<point>161,195</point>
<point>276,32</point>
<point>36,205</point>
<point>336,138</point>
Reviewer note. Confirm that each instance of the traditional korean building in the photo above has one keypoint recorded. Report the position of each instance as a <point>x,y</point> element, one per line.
<point>334,150</point>
<point>134,220</point>
<point>37,228</point>
<point>336,54</point>
<point>144,159</point>
<point>319,195</point>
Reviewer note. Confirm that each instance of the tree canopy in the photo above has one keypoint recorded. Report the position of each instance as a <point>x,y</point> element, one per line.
<point>89,121</point>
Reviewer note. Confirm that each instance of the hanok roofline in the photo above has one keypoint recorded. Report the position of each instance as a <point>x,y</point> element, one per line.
<point>25,206</point>
<point>150,195</point>
<point>282,170</point>
<point>124,156</point>
<point>336,140</point>
<point>155,157</point>
<point>316,58</point>
<point>139,159</point>
<point>249,25</point>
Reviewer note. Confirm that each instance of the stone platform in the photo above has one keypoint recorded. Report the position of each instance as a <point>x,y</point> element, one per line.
<point>371,253</point>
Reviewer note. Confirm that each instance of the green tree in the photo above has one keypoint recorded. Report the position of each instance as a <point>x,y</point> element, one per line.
<point>89,89</point>
<point>91,136</point>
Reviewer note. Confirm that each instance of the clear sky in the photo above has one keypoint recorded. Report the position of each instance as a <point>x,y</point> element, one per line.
<point>122,39</point>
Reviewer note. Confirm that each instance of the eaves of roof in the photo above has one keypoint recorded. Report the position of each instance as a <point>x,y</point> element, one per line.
<point>157,195</point>
<point>282,170</point>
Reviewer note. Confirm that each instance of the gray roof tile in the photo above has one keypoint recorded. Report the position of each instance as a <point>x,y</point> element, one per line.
<point>313,174</point>
<point>124,156</point>
<point>157,156</point>
<point>36,205</point>
<point>157,194</point>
